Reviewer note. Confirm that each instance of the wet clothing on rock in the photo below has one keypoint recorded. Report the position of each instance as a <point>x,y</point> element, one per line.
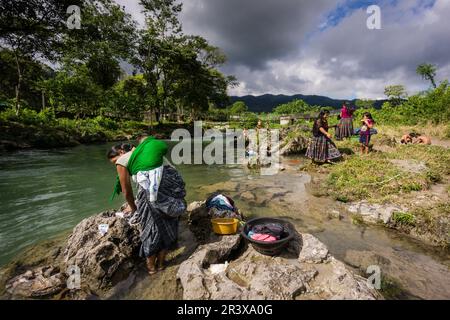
<point>221,206</point>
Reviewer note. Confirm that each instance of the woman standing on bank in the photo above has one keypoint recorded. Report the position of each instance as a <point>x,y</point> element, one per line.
<point>345,126</point>
<point>321,148</point>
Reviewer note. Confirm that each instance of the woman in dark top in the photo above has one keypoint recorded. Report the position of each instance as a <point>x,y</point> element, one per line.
<point>321,148</point>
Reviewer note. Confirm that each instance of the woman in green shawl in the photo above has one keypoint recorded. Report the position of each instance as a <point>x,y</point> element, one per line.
<point>145,164</point>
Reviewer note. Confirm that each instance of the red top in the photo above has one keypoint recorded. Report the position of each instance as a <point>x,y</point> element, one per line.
<point>346,112</point>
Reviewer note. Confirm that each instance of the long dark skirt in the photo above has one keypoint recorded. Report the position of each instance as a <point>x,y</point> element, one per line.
<point>322,149</point>
<point>158,231</point>
<point>344,129</point>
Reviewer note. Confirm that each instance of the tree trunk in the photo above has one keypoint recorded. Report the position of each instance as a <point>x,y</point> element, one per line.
<point>19,81</point>
<point>433,82</point>
<point>43,100</point>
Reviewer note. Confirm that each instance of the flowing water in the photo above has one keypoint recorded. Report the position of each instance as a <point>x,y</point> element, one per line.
<point>45,193</point>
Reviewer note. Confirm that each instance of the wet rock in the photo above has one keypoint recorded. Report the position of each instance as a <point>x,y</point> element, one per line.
<point>374,213</point>
<point>296,145</point>
<point>364,259</point>
<point>312,251</point>
<point>248,196</point>
<point>228,186</point>
<point>104,260</point>
<point>37,283</point>
<point>305,270</point>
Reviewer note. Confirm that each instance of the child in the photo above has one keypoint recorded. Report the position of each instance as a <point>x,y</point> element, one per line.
<point>364,134</point>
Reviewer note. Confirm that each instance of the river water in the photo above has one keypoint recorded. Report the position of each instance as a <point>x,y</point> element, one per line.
<point>46,192</point>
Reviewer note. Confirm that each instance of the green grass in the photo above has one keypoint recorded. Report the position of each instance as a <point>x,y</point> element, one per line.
<point>404,218</point>
<point>375,177</point>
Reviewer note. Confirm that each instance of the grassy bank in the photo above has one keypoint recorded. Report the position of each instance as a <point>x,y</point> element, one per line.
<point>414,176</point>
<point>31,129</point>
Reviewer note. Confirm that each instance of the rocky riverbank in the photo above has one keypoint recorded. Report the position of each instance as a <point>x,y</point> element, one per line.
<point>107,262</point>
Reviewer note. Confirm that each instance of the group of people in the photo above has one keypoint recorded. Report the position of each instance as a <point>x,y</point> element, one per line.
<point>322,148</point>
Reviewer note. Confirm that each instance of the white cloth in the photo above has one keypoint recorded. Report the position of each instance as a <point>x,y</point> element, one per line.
<point>150,181</point>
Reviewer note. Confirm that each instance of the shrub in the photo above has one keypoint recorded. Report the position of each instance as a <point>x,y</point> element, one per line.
<point>404,218</point>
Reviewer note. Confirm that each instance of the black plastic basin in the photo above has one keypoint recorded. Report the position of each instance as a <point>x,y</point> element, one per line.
<point>268,248</point>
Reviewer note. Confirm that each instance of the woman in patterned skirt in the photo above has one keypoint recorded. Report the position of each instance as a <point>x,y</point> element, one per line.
<point>345,126</point>
<point>322,149</point>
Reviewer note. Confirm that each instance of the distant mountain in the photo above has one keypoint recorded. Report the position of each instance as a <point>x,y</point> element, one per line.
<point>267,102</point>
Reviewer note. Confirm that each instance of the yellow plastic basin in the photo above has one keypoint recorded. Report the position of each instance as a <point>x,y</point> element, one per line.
<point>224,226</point>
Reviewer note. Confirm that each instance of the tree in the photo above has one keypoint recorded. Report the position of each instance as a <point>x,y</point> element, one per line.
<point>293,107</point>
<point>428,72</point>
<point>395,93</point>
<point>238,108</point>
<point>365,103</point>
<point>33,73</point>
<point>31,28</point>
<point>179,70</point>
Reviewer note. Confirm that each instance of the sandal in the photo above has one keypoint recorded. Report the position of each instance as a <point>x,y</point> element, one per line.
<point>151,270</point>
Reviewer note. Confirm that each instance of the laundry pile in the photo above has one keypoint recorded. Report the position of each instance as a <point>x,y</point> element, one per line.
<point>267,232</point>
<point>221,206</point>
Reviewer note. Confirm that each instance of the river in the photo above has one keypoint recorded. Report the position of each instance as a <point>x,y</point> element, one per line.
<point>46,192</point>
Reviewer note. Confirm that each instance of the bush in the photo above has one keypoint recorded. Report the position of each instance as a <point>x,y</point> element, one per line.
<point>404,218</point>
<point>106,123</point>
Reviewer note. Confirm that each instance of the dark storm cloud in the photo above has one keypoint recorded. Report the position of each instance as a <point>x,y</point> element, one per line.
<point>321,46</point>
<point>252,32</point>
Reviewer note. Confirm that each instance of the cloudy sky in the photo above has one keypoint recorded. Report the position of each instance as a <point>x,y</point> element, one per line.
<point>321,47</point>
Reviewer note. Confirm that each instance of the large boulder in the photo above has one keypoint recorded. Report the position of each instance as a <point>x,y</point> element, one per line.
<point>106,258</point>
<point>230,269</point>
<point>374,213</point>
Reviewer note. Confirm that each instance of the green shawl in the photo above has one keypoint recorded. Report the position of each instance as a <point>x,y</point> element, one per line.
<point>147,156</point>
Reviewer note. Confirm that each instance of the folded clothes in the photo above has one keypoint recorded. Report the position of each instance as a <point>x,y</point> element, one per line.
<point>263,237</point>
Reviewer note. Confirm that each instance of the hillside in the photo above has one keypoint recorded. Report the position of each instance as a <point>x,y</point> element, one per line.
<point>267,102</point>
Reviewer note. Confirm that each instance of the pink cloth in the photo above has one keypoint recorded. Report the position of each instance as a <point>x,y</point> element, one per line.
<point>346,112</point>
<point>263,237</point>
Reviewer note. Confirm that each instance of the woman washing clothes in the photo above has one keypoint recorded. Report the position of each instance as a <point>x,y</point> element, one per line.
<point>160,199</point>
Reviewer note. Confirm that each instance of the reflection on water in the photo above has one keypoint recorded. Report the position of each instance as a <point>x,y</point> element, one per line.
<point>46,192</point>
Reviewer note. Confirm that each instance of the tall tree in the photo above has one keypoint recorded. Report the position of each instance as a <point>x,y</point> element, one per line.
<point>30,29</point>
<point>395,93</point>
<point>428,72</point>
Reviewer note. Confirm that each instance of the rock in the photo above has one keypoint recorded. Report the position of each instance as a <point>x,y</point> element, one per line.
<point>228,186</point>
<point>305,270</point>
<point>296,145</point>
<point>37,283</point>
<point>364,259</point>
<point>103,260</point>
<point>374,213</point>
<point>312,251</point>
<point>335,214</point>
<point>248,196</point>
